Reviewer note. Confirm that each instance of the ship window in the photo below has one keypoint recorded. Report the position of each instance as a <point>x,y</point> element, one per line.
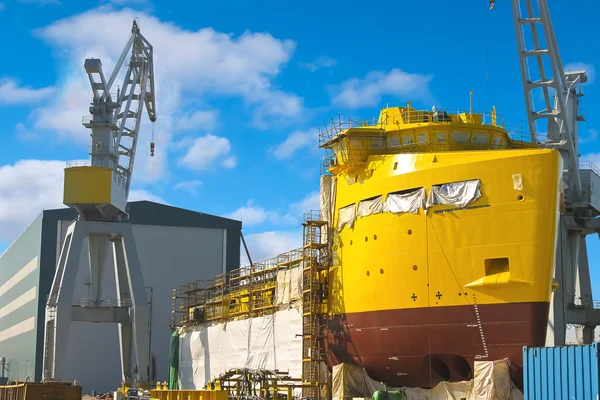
<point>460,137</point>
<point>481,138</point>
<point>407,139</point>
<point>404,201</point>
<point>376,143</point>
<point>393,141</point>
<point>494,266</point>
<point>441,137</point>
<point>346,216</point>
<point>497,140</point>
<point>370,206</point>
<point>356,143</point>
<point>422,137</point>
<point>457,194</point>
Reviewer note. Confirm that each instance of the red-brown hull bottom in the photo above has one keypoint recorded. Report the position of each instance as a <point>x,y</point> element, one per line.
<point>422,347</point>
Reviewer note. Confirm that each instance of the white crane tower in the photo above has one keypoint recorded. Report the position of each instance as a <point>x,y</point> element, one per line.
<point>99,193</point>
<point>542,72</point>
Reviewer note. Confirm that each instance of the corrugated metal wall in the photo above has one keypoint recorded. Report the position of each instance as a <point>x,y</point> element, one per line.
<point>567,372</point>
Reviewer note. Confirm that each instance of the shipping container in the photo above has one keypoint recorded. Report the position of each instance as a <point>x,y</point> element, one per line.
<point>565,372</point>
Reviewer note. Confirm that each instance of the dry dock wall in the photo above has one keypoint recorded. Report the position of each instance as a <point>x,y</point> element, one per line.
<point>173,245</point>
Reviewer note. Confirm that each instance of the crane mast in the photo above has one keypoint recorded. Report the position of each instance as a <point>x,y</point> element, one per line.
<point>542,71</point>
<point>116,119</point>
<point>99,193</point>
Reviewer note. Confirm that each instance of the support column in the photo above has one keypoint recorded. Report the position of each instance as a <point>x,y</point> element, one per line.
<point>58,309</point>
<point>133,334</point>
<point>128,260</point>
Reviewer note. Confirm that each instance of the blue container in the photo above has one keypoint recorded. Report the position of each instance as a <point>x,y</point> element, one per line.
<point>566,372</point>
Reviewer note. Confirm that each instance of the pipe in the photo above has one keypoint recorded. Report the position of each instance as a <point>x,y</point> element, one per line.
<point>246,248</point>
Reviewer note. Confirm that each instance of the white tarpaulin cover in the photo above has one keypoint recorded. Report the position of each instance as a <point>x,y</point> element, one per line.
<point>327,203</point>
<point>398,203</point>
<point>289,286</point>
<point>346,215</point>
<point>369,207</point>
<point>491,382</point>
<point>457,194</point>
<point>327,197</point>
<point>267,342</point>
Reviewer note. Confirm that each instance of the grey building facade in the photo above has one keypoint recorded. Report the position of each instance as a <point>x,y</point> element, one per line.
<point>174,246</point>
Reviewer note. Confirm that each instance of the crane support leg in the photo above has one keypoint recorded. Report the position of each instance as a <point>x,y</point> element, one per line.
<point>572,301</point>
<point>130,312</point>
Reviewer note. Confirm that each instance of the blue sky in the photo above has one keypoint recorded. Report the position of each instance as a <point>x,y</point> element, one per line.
<point>242,87</point>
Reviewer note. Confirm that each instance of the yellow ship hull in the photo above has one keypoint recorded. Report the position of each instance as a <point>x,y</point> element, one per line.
<point>416,297</point>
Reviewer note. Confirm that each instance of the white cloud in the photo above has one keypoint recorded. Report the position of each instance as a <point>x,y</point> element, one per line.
<point>189,186</point>
<point>204,61</point>
<point>206,151</point>
<point>198,120</point>
<point>141,194</point>
<point>25,134</point>
<point>269,244</point>
<point>589,69</point>
<point>593,158</point>
<point>189,66</point>
<point>252,214</point>
<point>255,215</point>
<point>590,137</point>
<point>30,186</point>
<point>310,202</point>
<point>321,62</point>
<point>11,93</point>
<point>356,93</point>
<point>296,141</point>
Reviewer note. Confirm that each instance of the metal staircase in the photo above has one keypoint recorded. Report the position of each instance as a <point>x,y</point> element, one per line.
<point>314,305</point>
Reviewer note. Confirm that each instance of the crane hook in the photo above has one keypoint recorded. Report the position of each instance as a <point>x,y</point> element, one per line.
<point>152,142</point>
<point>492,4</point>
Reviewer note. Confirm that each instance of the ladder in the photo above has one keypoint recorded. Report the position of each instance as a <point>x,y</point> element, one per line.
<point>50,338</point>
<point>314,303</point>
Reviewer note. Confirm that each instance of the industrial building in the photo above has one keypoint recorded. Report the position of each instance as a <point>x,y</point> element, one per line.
<point>174,245</point>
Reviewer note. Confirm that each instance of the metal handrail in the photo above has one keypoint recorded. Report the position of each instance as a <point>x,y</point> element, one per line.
<point>76,163</point>
<point>589,165</point>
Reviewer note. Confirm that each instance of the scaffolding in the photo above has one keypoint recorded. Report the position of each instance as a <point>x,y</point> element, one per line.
<point>246,292</point>
<point>314,303</point>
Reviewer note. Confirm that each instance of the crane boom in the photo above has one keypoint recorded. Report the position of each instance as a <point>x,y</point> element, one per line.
<point>561,131</point>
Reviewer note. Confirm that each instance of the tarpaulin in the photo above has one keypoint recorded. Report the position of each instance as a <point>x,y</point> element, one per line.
<point>289,286</point>
<point>457,194</point>
<point>491,382</point>
<point>267,342</point>
<point>405,202</point>
<point>370,207</point>
<point>346,216</point>
<point>174,361</point>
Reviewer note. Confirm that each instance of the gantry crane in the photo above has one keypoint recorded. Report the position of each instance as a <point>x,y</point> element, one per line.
<point>572,299</point>
<point>99,193</point>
